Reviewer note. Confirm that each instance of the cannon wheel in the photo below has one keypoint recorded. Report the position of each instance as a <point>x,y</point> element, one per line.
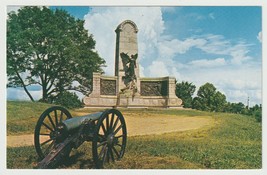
<point>109,139</point>
<point>45,133</point>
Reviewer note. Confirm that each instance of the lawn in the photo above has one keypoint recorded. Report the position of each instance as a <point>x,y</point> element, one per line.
<point>233,142</point>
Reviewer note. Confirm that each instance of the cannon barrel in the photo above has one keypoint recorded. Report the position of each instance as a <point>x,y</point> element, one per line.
<point>76,122</point>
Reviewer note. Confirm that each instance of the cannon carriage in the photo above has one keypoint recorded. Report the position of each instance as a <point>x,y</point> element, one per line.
<point>57,133</point>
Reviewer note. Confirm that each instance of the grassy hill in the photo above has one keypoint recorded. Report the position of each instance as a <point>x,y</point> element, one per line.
<point>233,143</point>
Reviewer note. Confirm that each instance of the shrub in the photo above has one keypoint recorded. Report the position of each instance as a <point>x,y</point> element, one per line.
<point>258,115</point>
<point>68,100</point>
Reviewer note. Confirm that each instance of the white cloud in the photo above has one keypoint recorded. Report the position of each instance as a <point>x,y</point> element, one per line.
<point>13,8</point>
<point>102,23</point>
<point>241,84</point>
<point>246,84</point>
<point>236,96</point>
<point>217,44</point>
<point>259,37</point>
<point>175,73</point>
<point>171,47</point>
<point>141,70</point>
<point>237,83</point>
<point>210,44</point>
<point>20,94</point>
<point>204,63</point>
<point>239,53</point>
<point>158,69</point>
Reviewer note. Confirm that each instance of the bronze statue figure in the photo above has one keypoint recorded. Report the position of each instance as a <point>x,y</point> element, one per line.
<point>129,63</point>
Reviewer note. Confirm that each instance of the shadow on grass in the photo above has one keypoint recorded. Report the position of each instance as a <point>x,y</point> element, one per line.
<point>77,161</point>
<point>26,158</point>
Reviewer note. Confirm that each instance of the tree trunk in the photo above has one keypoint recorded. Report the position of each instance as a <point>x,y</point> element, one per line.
<point>45,95</point>
<point>24,87</point>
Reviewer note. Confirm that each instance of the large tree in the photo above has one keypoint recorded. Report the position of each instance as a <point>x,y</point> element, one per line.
<point>185,91</point>
<point>209,99</point>
<point>51,49</point>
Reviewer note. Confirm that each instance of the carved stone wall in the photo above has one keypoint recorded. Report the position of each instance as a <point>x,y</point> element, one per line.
<point>107,87</point>
<point>154,88</point>
<point>156,92</point>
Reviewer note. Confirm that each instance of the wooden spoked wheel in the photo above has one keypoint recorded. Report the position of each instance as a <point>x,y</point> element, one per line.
<point>109,138</point>
<point>46,131</point>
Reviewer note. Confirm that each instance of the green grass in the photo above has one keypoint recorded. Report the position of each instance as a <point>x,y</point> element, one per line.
<point>233,143</point>
<point>22,116</point>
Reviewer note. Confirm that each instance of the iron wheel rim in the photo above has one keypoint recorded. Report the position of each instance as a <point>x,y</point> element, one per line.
<point>109,140</point>
<point>45,134</point>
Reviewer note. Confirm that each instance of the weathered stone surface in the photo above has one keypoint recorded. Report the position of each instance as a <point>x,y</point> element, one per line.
<point>126,42</point>
<point>107,87</point>
<point>154,88</point>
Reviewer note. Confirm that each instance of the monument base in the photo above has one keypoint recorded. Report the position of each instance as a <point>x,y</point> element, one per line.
<point>104,94</point>
<point>135,102</point>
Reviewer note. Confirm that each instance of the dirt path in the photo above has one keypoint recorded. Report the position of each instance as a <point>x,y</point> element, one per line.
<point>139,125</point>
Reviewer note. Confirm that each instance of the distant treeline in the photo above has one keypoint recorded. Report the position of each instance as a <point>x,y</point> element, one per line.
<point>209,99</point>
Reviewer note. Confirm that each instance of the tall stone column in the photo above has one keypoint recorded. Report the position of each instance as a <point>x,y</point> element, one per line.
<point>126,42</point>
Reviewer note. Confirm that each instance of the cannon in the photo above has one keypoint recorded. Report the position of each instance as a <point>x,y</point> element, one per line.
<point>57,133</point>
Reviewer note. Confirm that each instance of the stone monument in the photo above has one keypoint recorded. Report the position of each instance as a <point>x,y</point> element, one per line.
<point>127,88</point>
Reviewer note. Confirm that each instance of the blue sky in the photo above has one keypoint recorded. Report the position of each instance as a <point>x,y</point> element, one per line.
<point>220,45</point>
